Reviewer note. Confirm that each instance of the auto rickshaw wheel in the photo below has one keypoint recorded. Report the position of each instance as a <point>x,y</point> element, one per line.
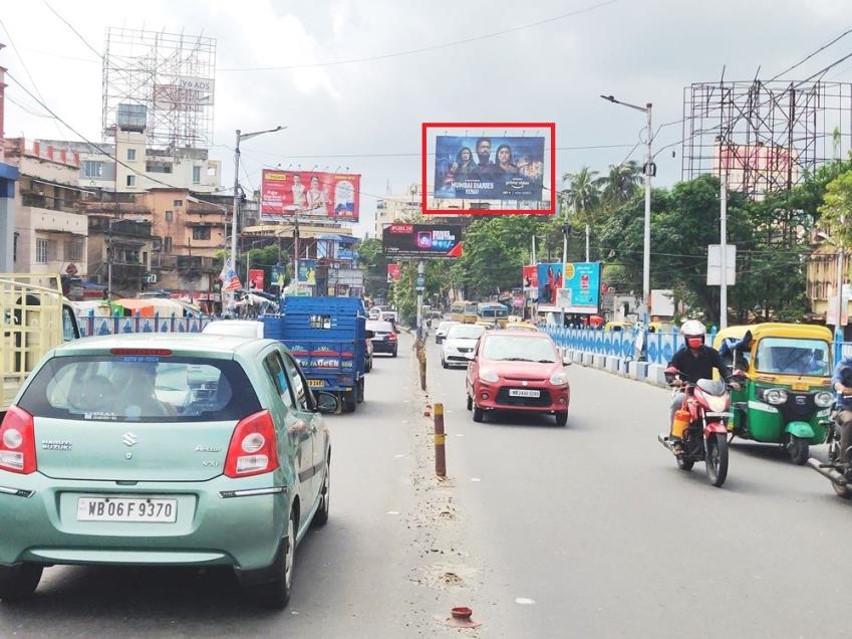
<point>799,450</point>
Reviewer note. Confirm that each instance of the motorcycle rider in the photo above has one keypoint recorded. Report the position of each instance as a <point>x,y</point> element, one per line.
<point>842,381</point>
<point>696,361</point>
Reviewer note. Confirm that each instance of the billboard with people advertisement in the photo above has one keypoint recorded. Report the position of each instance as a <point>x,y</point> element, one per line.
<point>488,168</point>
<point>422,241</point>
<point>310,193</point>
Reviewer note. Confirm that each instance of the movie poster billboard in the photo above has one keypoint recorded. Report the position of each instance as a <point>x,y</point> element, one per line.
<point>310,193</point>
<point>549,282</point>
<point>530,274</point>
<point>308,272</point>
<point>394,273</point>
<point>489,167</point>
<point>422,241</point>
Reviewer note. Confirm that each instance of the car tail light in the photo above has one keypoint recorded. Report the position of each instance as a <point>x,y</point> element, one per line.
<point>17,442</point>
<point>392,336</point>
<point>253,449</point>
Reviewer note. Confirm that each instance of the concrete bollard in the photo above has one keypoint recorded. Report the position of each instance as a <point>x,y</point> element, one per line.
<point>599,361</point>
<point>637,370</point>
<point>440,441</point>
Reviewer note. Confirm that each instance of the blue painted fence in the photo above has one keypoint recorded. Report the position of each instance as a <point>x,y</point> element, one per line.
<point>99,325</point>
<point>625,344</point>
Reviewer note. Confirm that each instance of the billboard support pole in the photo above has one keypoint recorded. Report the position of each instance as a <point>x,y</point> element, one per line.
<point>296,254</point>
<point>723,223</point>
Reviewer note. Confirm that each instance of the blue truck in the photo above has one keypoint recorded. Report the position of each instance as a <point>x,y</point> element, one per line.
<point>327,336</point>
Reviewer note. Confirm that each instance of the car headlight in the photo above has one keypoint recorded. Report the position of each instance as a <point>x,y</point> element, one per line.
<point>775,396</point>
<point>487,375</point>
<point>824,399</point>
<point>559,379</point>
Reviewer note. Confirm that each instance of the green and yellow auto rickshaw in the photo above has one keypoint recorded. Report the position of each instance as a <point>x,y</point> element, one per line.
<point>787,397</point>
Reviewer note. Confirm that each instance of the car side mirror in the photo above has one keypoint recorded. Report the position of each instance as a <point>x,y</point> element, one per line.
<point>369,334</point>
<point>326,403</point>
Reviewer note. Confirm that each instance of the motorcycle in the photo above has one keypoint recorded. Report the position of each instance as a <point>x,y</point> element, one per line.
<point>838,470</point>
<point>705,436</point>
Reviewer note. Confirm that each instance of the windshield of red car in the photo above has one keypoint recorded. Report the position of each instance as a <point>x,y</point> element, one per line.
<point>519,348</point>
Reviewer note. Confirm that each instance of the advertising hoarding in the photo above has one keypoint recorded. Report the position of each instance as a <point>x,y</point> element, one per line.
<point>310,193</point>
<point>422,241</point>
<point>549,282</point>
<point>530,275</point>
<point>582,287</point>
<point>308,272</point>
<point>394,273</point>
<point>256,278</point>
<point>489,167</point>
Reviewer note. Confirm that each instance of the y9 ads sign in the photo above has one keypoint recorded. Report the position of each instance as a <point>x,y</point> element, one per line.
<point>494,168</point>
<point>310,193</point>
<point>422,241</point>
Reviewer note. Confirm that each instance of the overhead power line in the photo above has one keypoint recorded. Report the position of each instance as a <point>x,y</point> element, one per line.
<point>71,26</point>
<point>811,55</point>
<point>84,138</point>
<point>435,47</point>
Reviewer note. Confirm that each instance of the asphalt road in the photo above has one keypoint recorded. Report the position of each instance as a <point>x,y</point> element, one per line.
<point>583,531</point>
<point>591,530</point>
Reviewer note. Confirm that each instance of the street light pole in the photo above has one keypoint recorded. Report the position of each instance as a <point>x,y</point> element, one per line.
<point>234,222</point>
<point>646,253</point>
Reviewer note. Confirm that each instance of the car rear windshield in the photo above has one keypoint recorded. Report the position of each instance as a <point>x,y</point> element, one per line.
<point>380,327</point>
<point>141,389</point>
<point>465,331</point>
<point>519,348</point>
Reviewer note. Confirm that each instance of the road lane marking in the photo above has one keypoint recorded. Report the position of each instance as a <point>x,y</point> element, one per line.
<point>523,601</point>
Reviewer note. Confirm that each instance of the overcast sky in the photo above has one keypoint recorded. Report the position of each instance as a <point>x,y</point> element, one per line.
<point>366,115</point>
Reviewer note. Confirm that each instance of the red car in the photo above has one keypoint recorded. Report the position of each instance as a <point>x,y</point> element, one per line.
<point>517,371</point>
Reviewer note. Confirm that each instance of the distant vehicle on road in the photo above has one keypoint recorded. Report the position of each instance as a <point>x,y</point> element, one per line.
<point>240,328</point>
<point>385,339</point>
<point>463,312</point>
<point>459,344</point>
<point>443,329</point>
<point>164,450</point>
<point>517,371</point>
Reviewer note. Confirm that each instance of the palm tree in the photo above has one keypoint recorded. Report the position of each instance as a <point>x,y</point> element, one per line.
<point>583,194</point>
<point>622,183</point>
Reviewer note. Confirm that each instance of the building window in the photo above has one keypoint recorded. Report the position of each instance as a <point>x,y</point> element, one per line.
<point>177,204</point>
<point>41,251</point>
<point>131,155</point>
<point>53,251</point>
<point>74,250</point>
<point>93,169</point>
<point>158,167</point>
<point>201,233</point>
<point>167,244</point>
<point>131,180</point>
<point>196,175</point>
<point>170,215</point>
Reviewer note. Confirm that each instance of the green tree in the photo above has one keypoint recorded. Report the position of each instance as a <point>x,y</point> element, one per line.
<point>836,210</point>
<point>621,184</point>
<point>374,264</point>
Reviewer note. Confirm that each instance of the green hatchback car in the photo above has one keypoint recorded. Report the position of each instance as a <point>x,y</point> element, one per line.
<point>163,450</point>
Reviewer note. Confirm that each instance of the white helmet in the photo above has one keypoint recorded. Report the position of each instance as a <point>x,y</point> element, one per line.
<point>693,333</point>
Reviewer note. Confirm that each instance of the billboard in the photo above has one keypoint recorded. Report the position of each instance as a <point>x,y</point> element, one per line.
<point>489,167</point>
<point>755,168</point>
<point>308,272</point>
<point>549,281</point>
<point>310,193</point>
<point>423,241</point>
<point>530,275</point>
<point>394,273</point>
<point>581,291</point>
<point>256,278</point>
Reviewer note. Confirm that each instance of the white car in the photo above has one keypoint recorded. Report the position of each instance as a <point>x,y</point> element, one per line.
<point>458,346</point>
<point>443,329</point>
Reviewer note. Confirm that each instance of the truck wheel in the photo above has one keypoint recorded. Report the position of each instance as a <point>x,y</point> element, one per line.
<point>350,403</point>
<point>360,391</point>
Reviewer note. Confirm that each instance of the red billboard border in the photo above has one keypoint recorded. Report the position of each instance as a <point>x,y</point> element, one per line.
<point>424,199</point>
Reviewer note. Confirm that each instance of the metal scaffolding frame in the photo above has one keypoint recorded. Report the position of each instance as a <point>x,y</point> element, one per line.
<point>171,75</point>
<point>766,136</point>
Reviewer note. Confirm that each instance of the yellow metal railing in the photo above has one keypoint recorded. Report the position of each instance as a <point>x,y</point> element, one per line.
<point>30,325</point>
